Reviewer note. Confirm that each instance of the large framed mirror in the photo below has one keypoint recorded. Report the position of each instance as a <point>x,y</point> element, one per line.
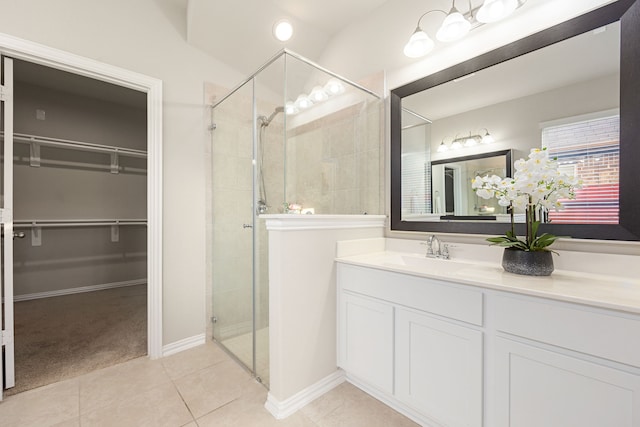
<point>553,89</point>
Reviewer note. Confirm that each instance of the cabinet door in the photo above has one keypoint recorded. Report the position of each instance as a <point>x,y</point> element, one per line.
<point>366,340</point>
<point>537,387</point>
<point>439,369</point>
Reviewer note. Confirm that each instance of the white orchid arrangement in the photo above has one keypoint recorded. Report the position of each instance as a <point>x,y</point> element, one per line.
<point>536,187</point>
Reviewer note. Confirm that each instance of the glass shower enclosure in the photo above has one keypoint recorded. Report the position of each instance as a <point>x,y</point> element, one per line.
<point>293,138</point>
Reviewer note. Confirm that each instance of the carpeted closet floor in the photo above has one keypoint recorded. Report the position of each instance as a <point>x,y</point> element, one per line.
<point>63,337</point>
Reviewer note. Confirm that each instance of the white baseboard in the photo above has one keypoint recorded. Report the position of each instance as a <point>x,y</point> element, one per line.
<point>289,406</point>
<point>184,344</point>
<point>78,290</point>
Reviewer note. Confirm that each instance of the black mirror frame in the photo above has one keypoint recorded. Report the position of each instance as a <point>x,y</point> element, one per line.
<point>625,11</point>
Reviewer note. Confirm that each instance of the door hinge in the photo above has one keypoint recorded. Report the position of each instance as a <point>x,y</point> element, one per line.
<point>5,216</point>
<point>7,337</point>
<point>214,319</point>
<point>5,93</point>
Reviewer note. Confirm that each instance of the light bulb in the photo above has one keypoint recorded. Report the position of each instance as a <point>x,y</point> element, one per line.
<point>454,27</point>
<point>470,142</point>
<point>487,138</point>
<point>419,44</point>
<point>495,10</point>
<point>283,30</point>
<point>442,147</point>
<point>334,87</point>
<point>455,145</point>
<point>290,108</point>
<point>303,101</point>
<point>318,94</point>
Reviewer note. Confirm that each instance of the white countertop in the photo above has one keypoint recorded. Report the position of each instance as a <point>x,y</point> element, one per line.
<point>596,290</point>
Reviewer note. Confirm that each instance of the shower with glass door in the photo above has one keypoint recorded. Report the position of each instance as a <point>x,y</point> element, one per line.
<point>291,139</point>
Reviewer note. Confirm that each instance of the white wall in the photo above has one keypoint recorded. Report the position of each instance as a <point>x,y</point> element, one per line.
<point>148,37</point>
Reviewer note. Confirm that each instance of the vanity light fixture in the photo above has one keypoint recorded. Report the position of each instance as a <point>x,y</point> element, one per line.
<point>334,87</point>
<point>456,25</point>
<point>466,141</point>
<point>487,138</point>
<point>290,108</point>
<point>303,102</point>
<point>472,140</point>
<point>318,94</point>
<point>495,10</point>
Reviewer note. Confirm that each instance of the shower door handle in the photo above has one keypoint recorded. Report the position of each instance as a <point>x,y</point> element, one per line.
<point>247,226</point>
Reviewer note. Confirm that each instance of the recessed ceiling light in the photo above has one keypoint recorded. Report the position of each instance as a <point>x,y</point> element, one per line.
<point>282,30</point>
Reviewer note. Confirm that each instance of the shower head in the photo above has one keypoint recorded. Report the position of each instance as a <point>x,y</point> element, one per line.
<point>264,121</point>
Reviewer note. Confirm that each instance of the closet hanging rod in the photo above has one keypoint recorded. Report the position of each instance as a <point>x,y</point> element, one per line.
<point>76,145</point>
<point>76,223</point>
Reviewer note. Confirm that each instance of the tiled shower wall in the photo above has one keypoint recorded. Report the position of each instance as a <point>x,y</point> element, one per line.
<point>335,164</point>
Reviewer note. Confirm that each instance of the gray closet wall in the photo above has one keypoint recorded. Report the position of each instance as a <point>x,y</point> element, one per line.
<point>78,185</point>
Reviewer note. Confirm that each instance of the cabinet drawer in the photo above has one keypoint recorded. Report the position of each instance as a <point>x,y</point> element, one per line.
<point>603,334</point>
<point>433,296</point>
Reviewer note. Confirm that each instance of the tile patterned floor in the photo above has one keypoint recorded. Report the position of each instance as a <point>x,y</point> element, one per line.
<point>200,387</point>
<point>242,347</point>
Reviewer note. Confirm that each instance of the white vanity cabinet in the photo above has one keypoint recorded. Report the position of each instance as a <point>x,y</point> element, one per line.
<point>452,354</point>
<point>415,341</point>
<point>561,364</point>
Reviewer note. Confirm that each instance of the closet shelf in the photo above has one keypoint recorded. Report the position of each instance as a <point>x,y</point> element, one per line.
<point>77,145</point>
<point>36,226</point>
<point>45,223</point>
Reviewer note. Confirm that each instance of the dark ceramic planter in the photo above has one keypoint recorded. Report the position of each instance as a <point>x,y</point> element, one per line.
<point>529,263</point>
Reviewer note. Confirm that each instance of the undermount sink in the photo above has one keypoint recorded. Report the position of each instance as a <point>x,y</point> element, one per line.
<point>421,262</point>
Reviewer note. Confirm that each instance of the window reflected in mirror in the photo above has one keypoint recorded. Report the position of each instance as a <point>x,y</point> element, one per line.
<point>587,147</point>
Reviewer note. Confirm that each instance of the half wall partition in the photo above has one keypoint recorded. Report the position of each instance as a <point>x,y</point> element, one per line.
<point>296,139</point>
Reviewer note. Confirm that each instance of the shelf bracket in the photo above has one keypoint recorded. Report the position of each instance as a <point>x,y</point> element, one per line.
<point>34,154</point>
<point>115,233</point>
<point>115,166</point>
<point>36,235</point>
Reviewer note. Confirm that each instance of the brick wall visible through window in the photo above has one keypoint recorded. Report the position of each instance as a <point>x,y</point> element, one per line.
<point>591,150</point>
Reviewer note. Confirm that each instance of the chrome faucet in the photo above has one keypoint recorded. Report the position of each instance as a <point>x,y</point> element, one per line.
<point>436,248</point>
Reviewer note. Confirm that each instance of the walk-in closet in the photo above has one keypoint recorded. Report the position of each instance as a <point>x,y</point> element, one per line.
<point>79,223</point>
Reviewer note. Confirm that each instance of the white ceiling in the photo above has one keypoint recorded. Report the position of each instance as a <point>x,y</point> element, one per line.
<point>239,33</point>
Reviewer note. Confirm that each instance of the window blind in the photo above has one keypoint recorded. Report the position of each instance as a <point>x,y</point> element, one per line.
<point>589,150</point>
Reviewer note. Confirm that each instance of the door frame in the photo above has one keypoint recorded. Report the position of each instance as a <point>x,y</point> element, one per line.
<point>54,58</point>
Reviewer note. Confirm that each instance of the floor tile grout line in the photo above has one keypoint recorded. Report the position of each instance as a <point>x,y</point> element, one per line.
<point>184,402</point>
<point>192,372</point>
